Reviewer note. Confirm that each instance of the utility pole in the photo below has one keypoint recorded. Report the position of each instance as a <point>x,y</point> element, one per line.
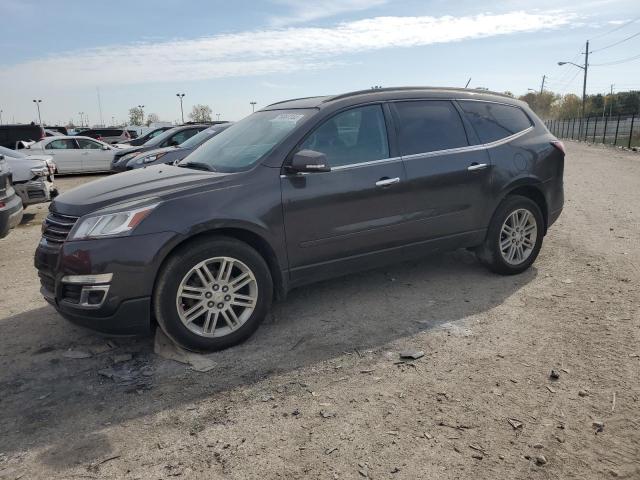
<point>611,104</point>
<point>181,96</point>
<point>38,102</point>
<point>253,106</point>
<point>99,106</point>
<point>544,77</point>
<point>0,117</point>
<point>584,83</point>
<point>218,116</point>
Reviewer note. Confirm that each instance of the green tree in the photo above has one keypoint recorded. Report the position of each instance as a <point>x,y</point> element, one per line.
<point>135,116</point>
<point>200,113</point>
<point>152,118</point>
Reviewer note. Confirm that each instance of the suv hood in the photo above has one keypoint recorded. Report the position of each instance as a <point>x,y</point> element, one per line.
<point>158,181</point>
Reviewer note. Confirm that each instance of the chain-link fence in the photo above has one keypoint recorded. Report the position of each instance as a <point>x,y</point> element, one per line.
<point>622,130</point>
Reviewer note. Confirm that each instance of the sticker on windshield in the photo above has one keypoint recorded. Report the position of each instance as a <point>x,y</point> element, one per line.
<point>287,118</point>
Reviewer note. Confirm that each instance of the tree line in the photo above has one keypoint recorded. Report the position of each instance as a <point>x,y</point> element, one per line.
<point>550,105</point>
<point>199,113</point>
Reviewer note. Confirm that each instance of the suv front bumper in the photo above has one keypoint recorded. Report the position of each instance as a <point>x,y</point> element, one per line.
<point>119,304</point>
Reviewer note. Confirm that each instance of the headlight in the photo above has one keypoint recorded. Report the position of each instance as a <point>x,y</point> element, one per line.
<point>127,157</point>
<point>150,158</point>
<point>40,171</point>
<point>110,224</point>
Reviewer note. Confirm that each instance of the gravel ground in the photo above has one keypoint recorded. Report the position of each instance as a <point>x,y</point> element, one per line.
<point>319,392</point>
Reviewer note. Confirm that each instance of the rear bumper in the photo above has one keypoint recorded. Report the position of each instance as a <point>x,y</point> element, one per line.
<point>10,214</point>
<point>36,191</point>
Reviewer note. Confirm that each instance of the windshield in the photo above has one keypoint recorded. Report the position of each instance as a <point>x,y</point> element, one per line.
<point>244,143</point>
<point>7,152</point>
<point>202,136</point>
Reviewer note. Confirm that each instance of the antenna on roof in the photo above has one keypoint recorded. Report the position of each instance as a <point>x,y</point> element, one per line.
<point>468,82</point>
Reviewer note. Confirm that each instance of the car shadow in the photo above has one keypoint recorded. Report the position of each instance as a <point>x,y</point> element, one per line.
<point>62,403</point>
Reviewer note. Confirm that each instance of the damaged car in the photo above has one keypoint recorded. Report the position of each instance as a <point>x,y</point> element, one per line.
<point>33,176</point>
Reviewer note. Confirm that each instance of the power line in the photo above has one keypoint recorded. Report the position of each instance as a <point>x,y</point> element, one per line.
<point>616,43</point>
<point>619,27</point>
<point>616,62</point>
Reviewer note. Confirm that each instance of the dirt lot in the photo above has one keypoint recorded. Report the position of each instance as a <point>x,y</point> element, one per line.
<point>318,392</point>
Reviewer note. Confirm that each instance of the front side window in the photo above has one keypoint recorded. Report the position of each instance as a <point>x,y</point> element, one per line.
<point>244,143</point>
<point>85,144</point>
<point>494,121</point>
<point>429,126</point>
<point>63,144</point>
<point>355,136</point>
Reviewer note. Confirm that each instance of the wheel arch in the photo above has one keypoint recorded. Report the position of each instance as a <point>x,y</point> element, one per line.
<point>530,189</point>
<point>249,237</point>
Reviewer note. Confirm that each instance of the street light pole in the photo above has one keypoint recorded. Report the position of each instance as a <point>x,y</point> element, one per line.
<point>38,102</point>
<point>544,77</point>
<point>181,96</point>
<point>81,118</point>
<point>218,116</point>
<point>253,106</point>
<point>0,117</point>
<point>142,113</point>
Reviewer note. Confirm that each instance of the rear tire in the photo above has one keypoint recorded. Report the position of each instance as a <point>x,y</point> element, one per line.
<point>212,294</point>
<point>514,237</point>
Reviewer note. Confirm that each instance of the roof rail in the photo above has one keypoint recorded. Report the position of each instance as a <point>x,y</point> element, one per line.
<point>401,89</point>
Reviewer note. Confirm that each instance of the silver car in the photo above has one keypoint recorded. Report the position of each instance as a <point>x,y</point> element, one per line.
<point>32,176</point>
<point>73,154</point>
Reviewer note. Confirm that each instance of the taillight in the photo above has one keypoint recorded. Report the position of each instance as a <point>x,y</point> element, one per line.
<point>559,145</point>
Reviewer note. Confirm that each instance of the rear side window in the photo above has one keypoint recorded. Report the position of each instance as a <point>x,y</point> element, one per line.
<point>494,121</point>
<point>354,136</point>
<point>429,126</point>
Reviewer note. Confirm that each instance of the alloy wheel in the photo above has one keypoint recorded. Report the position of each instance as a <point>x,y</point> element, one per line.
<point>217,296</point>
<point>518,236</point>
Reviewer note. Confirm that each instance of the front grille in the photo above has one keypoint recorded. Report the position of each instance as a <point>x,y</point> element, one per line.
<point>56,227</point>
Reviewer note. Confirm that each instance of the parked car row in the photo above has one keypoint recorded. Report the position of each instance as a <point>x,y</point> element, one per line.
<point>300,191</point>
<point>32,175</point>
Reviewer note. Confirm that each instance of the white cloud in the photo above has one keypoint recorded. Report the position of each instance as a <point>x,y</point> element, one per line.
<point>305,11</point>
<point>264,51</point>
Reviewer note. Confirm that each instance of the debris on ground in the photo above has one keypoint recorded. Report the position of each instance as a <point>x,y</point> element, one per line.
<point>76,354</point>
<point>516,424</point>
<point>123,357</point>
<point>412,354</point>
<point>554,375</point>
<point>541,460</point>
<point>164,347</point>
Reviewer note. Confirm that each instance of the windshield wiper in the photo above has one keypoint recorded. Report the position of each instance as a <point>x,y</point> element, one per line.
<point>196,166</point>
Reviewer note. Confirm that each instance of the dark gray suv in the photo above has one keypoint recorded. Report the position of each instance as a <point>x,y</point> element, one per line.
<point>301,191</point>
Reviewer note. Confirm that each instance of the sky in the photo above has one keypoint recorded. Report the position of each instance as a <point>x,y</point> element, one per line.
<point>226,54</point>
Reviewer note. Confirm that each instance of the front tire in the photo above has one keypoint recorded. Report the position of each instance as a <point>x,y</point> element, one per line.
<point>213,294</point>
<point>514,237</point>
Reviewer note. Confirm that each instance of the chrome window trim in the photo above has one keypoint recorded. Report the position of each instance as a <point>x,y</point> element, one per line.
<point>470,148</point>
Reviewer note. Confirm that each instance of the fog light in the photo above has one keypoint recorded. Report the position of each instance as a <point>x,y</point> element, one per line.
<point>88,279</point>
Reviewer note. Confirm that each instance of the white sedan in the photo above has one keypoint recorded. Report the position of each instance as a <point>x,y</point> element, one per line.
<point>76,154</point>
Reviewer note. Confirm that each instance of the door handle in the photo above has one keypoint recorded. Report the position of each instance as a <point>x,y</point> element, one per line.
<point>385,182</point>
<point>477,166</point>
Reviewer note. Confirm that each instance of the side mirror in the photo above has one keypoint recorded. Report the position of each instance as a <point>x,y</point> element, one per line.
<point>105,147</point>
<point>1,156</point>
<point>309,161</point>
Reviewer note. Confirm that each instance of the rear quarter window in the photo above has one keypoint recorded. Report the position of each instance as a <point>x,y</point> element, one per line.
<point>494,121</point>
<point>429,126</point>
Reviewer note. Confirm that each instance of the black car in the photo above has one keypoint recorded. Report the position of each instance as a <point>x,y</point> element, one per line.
<point>177,153</point>
<point>10,135</point>
<point>300,191</point>
<point>169,138</point>
<point>142,139</point>
<point>10,203</point>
